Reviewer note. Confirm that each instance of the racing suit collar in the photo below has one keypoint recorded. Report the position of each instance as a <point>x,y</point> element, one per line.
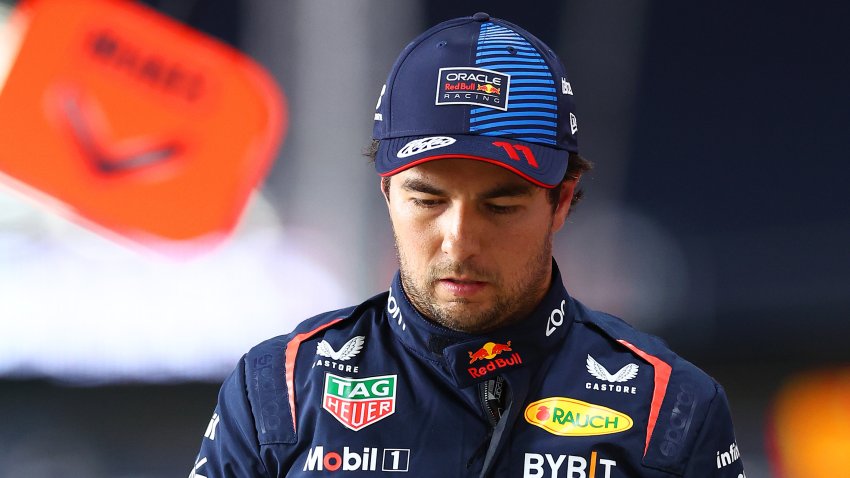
<point>472,358</point>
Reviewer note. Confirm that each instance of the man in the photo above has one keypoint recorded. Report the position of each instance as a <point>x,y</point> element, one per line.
<point>476,362</point>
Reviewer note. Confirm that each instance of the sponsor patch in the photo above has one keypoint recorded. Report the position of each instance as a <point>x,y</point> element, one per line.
<point>473,86</point>
<point>211,427</point>
<point>394,311</point>
<point>539,465</point>
<point>726,458</point>
<point>679,421</point>
<point>489,350</point>
<point>348,351</point>
<point>390,459</point>
<point>197,468</point>
<point>380,116</point>
<point>570,417</point>
<point>359,402</point>
<point>566,87</point>
<point>424,144</point>
<point>491,359</point>
<point>514,150</point>
<point>614,381</point>
<point>556,319</point>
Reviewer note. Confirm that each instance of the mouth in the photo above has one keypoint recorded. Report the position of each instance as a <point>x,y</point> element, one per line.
<point>461,287</point>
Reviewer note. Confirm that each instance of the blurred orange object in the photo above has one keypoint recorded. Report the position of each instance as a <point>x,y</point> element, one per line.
<point>809,427</point>
<point>134,122</point>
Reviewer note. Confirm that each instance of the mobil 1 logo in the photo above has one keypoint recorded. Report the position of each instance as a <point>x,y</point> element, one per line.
<point>351,459</point>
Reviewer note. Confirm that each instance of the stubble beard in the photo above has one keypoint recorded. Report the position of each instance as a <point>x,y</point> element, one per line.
<point>512,302</point>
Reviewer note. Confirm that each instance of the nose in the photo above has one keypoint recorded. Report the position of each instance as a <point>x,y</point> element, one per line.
<point>462,230</point>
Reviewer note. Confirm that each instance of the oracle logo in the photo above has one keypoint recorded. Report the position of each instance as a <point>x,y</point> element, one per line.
<point>556,319</point>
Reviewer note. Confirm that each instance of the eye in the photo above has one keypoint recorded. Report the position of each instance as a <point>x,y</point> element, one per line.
<point>497,209</point>
<point>425,203</point>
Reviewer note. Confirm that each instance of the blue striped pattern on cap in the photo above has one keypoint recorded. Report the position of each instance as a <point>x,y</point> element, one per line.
<point>532,113</point>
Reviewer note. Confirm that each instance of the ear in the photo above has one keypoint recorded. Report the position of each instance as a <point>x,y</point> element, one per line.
<point>384,192</point>
<point>565,199</point>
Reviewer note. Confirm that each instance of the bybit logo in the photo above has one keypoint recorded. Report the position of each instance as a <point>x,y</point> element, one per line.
<point>538,465</point>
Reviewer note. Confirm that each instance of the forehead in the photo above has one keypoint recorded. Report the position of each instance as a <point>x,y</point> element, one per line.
<point>463,174</point>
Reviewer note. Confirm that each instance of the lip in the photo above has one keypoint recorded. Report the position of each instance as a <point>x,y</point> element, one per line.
<point>461,287</point>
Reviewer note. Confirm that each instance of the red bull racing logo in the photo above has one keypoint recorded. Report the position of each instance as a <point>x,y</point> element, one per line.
<point>488,88</point>
<point>489,352</point>
<point>473,86</point>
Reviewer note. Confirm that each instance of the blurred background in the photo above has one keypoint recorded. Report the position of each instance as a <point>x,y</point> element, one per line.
<point>716,216</point>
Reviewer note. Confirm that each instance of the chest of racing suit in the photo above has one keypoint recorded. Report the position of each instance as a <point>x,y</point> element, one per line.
<point>377,389</point>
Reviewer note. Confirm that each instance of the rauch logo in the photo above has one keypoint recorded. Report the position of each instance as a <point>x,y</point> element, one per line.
<point>570,417</point>
<point>358,403</point>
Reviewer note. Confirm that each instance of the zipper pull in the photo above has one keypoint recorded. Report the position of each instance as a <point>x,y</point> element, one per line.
<point>493,394</point>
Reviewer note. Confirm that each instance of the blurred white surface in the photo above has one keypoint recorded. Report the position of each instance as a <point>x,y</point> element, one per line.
<point>75,306</point>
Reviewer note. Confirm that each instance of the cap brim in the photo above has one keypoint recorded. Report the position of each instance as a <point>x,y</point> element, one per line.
<point>540,165</point>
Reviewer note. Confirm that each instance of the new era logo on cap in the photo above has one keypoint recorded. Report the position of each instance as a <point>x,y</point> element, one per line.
<point>566,87</point>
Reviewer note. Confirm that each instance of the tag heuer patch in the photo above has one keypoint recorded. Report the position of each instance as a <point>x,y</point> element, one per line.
<point>359,402</point>
<point>473,86</point>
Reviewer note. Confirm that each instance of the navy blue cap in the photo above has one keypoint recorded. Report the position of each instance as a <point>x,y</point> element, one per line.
<point>478,88</point>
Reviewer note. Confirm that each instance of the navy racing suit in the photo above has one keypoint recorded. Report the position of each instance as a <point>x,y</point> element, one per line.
<point>376,388</point>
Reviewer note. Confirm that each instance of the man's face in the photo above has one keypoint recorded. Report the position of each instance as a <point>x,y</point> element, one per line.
<point>474,241</point>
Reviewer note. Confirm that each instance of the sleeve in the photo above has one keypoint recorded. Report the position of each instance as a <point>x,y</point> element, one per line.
<point>229,447</point>
<point>716,453</point>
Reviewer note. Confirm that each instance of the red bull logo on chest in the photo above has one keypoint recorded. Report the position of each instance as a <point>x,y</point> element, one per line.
<point>490,353</point>
<point>489,350</point>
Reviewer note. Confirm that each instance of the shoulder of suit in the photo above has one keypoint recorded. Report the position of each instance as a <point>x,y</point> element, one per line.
<point>684,393</point>
<point>621,334</point>
<point>269,369</point>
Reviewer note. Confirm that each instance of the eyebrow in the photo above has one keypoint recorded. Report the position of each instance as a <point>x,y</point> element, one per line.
<point>502,190</point>
<point>421,186</point>
<point>508,190</point>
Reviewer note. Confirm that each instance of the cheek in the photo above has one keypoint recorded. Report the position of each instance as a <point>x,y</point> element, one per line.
<point>416,239</point>
<point>521,240</point>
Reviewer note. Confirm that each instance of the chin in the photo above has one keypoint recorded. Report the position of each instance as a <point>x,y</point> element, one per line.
<point>467,320</point>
